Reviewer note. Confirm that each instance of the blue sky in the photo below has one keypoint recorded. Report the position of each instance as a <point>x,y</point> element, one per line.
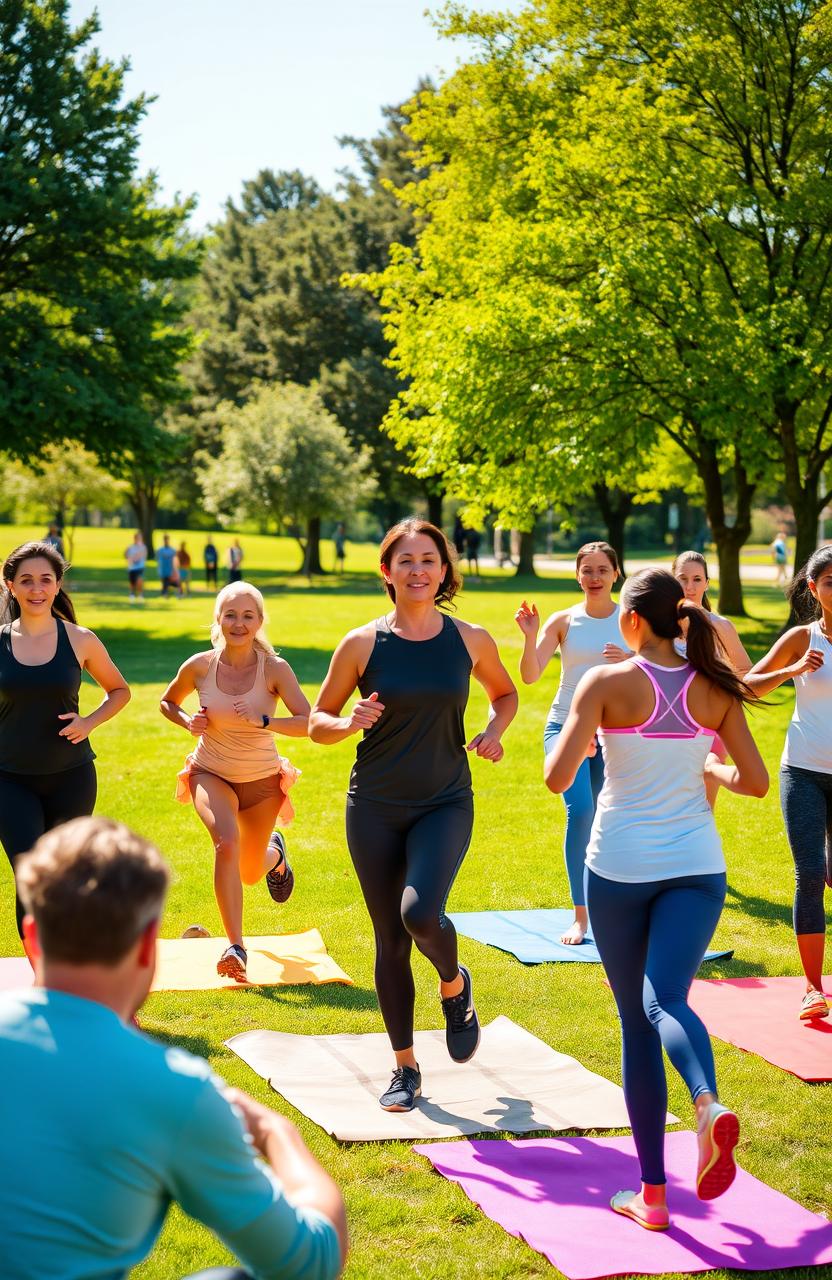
<point>255,84</point>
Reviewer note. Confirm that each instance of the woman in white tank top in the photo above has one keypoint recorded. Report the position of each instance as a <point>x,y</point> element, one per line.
<point>655,868</point>
<point>235,776</point>
<point>804,654</point>
<point>586,634</point>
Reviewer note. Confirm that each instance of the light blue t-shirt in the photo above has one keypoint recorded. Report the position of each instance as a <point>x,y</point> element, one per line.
<point>165,557</point>
<point>102,1128</point>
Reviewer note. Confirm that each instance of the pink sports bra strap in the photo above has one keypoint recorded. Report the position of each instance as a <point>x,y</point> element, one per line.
<point>670,717</point>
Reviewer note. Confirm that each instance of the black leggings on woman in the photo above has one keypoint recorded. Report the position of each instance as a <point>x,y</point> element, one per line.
<point>406,860</point>
<point>806,799</point>
<point>31,804</point>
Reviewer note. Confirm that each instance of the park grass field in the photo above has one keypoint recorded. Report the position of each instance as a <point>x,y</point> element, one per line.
<point>405,1220</point>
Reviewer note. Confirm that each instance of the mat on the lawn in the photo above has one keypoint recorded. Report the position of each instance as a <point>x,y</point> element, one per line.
<point>514,1084</point>
<point>759,1015</point>
<point>190,964</point>
<point>534,936</point>
<point>554,1193</point>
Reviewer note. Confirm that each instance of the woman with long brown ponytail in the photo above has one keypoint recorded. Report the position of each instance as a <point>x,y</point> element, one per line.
<point>47,775</point>
<point>655,867</point>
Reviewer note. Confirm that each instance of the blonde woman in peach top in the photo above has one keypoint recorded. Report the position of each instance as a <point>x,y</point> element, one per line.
<point>235,776</point>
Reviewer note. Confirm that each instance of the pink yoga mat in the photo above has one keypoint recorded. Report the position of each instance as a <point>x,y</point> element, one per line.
<point>760,1016</point>
<point>554,1193</point>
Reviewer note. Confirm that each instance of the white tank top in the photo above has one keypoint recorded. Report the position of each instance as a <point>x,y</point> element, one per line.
<point>582,648</point>
<point>653,820</point>
<point>681,645</point>
<point>809,735</point>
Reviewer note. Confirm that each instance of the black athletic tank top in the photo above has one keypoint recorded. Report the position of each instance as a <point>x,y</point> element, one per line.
<point>415,753</point>
<point>31,699</point>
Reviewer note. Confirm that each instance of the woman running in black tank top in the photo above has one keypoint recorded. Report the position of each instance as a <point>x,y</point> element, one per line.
<point>47,775</point>
<point>410,807</point>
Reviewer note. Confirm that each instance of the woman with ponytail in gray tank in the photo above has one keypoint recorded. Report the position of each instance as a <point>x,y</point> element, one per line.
<point>47,775</point>
<point>804,654</point>
<point>410,807</point>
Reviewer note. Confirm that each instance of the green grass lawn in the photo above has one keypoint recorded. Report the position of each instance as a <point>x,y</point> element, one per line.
<point>405,1220</point>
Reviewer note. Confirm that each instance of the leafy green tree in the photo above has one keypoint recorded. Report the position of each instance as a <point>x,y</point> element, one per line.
<point>85,341</point>
<point>286,457</point>
<point>66,481</point>
<point>642,248</point>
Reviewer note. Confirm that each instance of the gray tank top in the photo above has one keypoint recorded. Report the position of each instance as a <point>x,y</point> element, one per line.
<point>415,753</point>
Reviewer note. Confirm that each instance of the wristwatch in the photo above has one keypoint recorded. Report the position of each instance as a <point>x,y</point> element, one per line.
<point>266,720</point>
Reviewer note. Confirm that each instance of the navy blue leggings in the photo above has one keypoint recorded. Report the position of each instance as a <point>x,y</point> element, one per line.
<point>652,938</point>
<point>580,800</point>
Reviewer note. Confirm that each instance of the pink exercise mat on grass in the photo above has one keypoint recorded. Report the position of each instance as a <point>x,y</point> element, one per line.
<point>554,1193</point>
<point>759,1015</point>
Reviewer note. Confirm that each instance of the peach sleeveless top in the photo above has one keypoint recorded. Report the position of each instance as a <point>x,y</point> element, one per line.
<point>229,747</point>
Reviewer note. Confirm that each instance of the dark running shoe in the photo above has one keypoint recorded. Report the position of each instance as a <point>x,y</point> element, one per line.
<point>462,1026</point>
<point>405,1088</point>
<point>232,963</point>
<point>281,879</point>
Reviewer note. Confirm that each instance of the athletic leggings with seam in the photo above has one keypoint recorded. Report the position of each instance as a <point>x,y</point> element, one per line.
<point>406,859</point>
<point>580,800</point>
<point>652,938</point>
<point>31,804</point>
<point>806,800</point>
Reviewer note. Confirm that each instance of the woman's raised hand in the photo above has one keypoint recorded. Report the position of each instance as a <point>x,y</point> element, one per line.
<point>811,661</point>
<point>528,619</point>
<point>365,713</point>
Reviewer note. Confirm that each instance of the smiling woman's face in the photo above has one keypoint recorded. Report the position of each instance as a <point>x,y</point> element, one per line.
<point>416,569</point>
<point>35,586</point>
<point>240,618</point>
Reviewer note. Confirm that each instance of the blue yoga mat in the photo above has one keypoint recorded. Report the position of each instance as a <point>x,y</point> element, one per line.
<point>533,936</point>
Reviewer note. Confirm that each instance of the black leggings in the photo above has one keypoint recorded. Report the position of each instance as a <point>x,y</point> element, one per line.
<point>406,860</point>
<point>32,803</point>
<point>806,799</point>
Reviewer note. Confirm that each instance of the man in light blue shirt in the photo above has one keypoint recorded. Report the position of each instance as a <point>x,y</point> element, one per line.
<point>165,561</point>
<point>101,1128</point>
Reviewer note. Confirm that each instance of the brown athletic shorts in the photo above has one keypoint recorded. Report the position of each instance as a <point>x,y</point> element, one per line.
<point>248,793</point>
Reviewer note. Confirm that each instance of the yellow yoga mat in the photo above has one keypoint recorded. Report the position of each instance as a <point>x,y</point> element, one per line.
<point>190,964</point>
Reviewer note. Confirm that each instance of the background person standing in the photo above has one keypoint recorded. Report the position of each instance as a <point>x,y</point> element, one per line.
<point>210,557</point>
<point>165,562</point>
<point>136,557</point>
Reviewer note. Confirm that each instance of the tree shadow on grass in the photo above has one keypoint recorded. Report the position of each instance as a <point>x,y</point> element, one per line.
<point>762,908</point>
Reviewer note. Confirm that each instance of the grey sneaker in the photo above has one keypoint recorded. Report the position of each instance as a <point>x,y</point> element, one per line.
<point>462,1026</point>
<point>280,881</point>
<point>404,1089</point>
<point>232,963</point>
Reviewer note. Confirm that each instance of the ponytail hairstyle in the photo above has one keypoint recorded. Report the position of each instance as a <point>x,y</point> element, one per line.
<point>261,640</point>
<point>693,557</point>
<point>657,597</point>
<point>451,578</point>
<point>62,606</point>
<point>804,605</point>
<point>603,548</point>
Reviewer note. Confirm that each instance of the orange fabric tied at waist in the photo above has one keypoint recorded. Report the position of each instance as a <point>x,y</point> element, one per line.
<point>286,771</point>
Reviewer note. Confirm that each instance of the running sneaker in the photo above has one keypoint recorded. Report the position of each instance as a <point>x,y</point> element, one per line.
<point>404,1089</point>
<point>718,1134</point>
<point>462,1026</point>
<point>281,879</point>
<point>813,1005</point>
<point>232,963</point>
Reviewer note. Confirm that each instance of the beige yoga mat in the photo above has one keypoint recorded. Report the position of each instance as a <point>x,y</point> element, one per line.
<point>190,964</point>
<point>516,1083</point>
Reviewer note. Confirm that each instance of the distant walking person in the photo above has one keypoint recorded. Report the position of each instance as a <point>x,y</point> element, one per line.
<point>166,565</point>
<point>234,561</point>
<point>54,539</point>
<point>473,538</point>
<point>136,557</point>
<point>210,558</point>
<point>655,866</point>
<point>339,539</point>
<point>183,557</point>
<point>779,556</point>
<point>410,807</point>
<point>235,777</point>
<point>47,773</point>
<point>804,655</point>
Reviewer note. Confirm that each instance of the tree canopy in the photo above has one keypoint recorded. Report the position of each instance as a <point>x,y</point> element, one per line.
<point>86,340</point>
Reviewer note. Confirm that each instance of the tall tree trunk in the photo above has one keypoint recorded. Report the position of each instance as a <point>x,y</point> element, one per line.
<point>145,504</point>
<point>312,549</point>
<point>525,562</point>
<point>615,505</point>
<point>802,485</point>
<point>436,497</point>
<point>730,537</point>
